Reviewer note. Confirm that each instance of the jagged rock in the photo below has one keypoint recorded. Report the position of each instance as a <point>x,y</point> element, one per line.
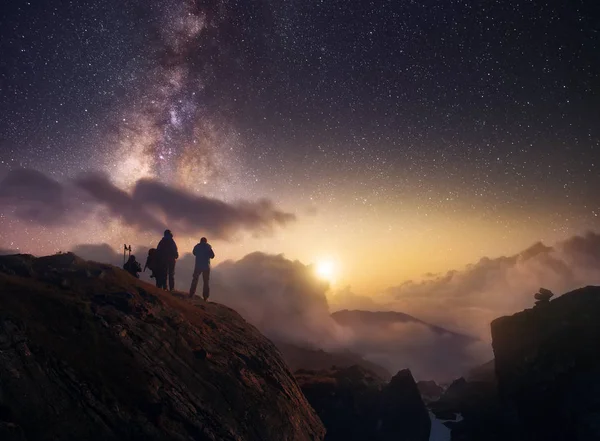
<point>478,405</point>
<point>543,296</point>
<point>548,368</point>
<point>430,391</point>
<point>115,359</point>
<point>403,414</point>
<point>357,405</point>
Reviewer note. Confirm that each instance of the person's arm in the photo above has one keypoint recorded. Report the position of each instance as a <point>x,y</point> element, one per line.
<point>212,253</point>
<point>176,251</point>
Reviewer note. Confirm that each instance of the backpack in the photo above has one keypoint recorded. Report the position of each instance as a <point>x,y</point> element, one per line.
<point>152,259</point>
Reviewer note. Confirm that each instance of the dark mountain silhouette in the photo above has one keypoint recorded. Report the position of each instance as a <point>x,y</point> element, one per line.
<point>385,318</point>
<point>298,357</point>
<point>396,340</point>
<point>88,352</point>
<point>485,372</point>
<point>357,405</point>
<point>544,383</point>
<point>479,406</point>
<point>548,368</point>
<point>429,390</point>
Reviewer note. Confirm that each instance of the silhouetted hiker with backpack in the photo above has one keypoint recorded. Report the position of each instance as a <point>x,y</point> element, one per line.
<point>153,263</point>
<point>167,255</point>
<point>133,267</point>
<point>203,252</point>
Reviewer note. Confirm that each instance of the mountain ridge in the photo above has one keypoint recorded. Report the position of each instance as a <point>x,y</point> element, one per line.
<point>345,316</point>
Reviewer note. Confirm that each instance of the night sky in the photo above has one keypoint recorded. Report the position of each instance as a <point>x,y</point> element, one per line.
<point>405,136</point>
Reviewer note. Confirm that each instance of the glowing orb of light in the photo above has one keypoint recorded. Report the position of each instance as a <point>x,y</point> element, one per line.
<point>326,270</point>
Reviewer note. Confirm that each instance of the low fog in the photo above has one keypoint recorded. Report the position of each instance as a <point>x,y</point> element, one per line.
<point>287,302</point>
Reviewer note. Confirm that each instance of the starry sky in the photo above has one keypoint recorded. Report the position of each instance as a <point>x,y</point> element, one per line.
<point>404,136</point>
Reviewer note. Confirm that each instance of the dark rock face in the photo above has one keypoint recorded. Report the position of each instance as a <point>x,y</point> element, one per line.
<point>477,403</point>
<point>430,391</point>
<point>88,352</point>
<point>485,373</point>
<point>403,414</point>
<point>356,405</point>
<point>298,357</point>
<point>548,368</point>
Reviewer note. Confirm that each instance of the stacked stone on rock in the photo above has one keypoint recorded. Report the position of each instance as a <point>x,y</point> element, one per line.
<point>543,297</point>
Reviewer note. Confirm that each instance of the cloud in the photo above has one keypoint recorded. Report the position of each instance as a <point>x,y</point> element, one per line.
<point>288,303</point>
<point>34,197</point>
<point>102,253</point>
<point>469,299</point>
<point>345,298</point>
<point>283,298</point>
<point>220,219</point>
<point>150,207</point>
<point>428,353</point>
<point>119,203</point>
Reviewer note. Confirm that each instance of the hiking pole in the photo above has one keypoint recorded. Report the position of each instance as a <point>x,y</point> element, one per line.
<point>125,250</point>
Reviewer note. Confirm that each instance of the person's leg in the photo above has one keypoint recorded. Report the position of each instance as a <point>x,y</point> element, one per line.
<point>161,278</point>
<point>172,275</point>
<point>205,287</point>
<point>194,283</point>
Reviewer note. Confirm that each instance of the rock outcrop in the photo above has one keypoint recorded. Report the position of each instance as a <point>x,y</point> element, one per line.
<point>88,352</point>
<point>548,368</point>
<point>479,408</point>
<point>357,405</point>
<point>430,391</point>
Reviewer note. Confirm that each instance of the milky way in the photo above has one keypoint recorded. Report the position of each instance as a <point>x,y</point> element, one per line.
<point>435,130</point>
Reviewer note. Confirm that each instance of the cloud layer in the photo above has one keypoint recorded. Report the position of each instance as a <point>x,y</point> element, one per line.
<point>288,303</point>
<point>469,299</point>
<point>151,206</point>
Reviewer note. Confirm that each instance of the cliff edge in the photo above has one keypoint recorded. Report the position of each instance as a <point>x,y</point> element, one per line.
<point>88,352</point>
<point>548,368</point>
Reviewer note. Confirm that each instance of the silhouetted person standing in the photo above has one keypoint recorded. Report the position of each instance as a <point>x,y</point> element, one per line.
<point>167,251</point>
<point>203,252</point>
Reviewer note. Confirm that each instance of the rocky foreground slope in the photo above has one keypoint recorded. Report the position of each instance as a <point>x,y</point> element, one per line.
<point>89,353</point>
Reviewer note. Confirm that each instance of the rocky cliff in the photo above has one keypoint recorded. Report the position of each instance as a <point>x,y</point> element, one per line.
<point>357,405</point>
<point>87,352</point>
<point>548,368</point>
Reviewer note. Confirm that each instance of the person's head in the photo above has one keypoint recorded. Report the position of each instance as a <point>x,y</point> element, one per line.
<point>168,233</point>
<point>131,258</point>
<point>203,240</point>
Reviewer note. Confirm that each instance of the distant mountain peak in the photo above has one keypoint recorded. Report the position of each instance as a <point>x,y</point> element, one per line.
<point>353,318</point>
